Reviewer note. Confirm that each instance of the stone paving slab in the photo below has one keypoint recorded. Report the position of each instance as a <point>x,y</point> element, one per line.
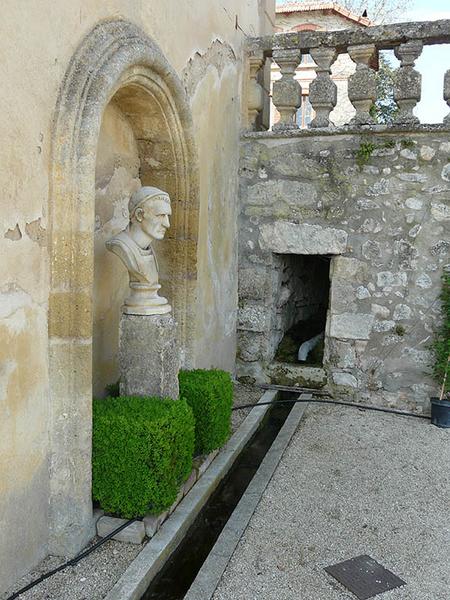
<point>351,482</point>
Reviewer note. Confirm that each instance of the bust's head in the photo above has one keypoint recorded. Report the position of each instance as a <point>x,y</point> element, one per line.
<point>150,210</point>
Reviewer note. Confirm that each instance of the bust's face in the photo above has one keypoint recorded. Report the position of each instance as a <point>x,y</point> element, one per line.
<point>153,216</point>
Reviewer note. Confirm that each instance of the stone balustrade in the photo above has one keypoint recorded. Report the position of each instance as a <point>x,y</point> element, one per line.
<point>362,45</point>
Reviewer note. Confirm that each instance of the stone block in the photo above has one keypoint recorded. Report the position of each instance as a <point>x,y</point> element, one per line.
<point>380,311</point>
<point>362,293</point>
<point>251,372</point>
<point>293,193</point>
<point>153,522</point>
<point>440,212</point>
<point>414,203</point>
<point>133,534</point>
<point>250,345</point>
<point>383,326</point>
<point>371,250</point>
<point>253,283</point>
<point>253,317</point>
<point>349,269</point>
<point>342,296</point>
<point>345,379</point>
<point>70,315</point>
<point>424,281</point>
<point>413,177</point>
<point>389,279</point>
<point>149,357</point>
<point>402,312</point>
<point>352,326</point>
<point>190,481</point>
<point>445,173</point>
<point>287,162</point>
<point>285,237</point>
<point>208,460</point>
<point>427,153</point>
<point>296,375</point>
<point>341,354</point>
<point>177,501</point>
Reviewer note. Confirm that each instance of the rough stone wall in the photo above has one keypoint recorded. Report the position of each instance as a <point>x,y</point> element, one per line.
<point>385,223</point>
<point>32,72</point>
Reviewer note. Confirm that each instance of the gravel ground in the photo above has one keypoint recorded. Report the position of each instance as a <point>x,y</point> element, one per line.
<point>243,394</point>
<point>90,579</point>
<point>351,482</point>
<point>95,575</point>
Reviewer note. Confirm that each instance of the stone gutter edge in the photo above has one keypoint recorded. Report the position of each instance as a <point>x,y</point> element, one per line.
<point>209,576</point>
<point>136,579</point>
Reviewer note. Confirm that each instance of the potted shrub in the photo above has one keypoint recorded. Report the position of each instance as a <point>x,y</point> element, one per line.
<point>440,407</point>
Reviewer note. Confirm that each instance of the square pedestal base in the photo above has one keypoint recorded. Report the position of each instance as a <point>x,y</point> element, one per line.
<point>149,357</point>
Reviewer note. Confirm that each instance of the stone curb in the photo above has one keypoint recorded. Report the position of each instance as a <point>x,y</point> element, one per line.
<point>136,579</point>
<point>210,574</point>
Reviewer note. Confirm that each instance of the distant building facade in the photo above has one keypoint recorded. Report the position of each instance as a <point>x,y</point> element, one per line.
<point>318,16</point>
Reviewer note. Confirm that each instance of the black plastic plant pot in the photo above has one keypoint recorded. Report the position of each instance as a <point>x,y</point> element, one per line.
<point>440,412</point>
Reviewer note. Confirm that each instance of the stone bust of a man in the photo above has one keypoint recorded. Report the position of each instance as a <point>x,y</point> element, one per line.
<point>149,210</point>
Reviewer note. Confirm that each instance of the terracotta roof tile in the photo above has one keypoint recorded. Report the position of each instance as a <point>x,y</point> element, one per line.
<point>291,7</point>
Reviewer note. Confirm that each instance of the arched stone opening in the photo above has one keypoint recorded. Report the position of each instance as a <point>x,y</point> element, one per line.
<point>116,65</point>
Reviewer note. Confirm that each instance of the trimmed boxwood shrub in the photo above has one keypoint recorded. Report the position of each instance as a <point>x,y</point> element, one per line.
<point>142,452</point>
<point>210,395</point>
<point>441,344</point>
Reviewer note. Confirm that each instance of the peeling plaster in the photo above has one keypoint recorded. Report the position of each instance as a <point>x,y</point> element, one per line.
<point>219,55</point>
<point>12,310</point>
<point>14,234</point>
<point>36,232</point>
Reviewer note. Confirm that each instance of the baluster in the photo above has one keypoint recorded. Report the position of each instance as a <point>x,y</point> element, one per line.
<point>362,85</point>
<point>322,90</point>
<point>255,90</point>
<point>408,81</point>
<point>447,94</point>
<point>287,93</point>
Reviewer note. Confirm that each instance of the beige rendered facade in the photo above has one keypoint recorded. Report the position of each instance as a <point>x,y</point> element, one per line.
<point>97,96</point>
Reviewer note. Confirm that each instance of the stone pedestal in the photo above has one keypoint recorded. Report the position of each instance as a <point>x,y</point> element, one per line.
<point>149,356</point>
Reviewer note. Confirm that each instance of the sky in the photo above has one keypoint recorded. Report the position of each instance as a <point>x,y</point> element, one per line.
<point>432,63</point>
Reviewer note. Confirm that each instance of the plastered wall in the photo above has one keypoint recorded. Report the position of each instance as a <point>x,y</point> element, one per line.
<point>37,42</point>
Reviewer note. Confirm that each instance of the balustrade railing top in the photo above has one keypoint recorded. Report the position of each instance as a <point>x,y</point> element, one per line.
<point>362,45</point>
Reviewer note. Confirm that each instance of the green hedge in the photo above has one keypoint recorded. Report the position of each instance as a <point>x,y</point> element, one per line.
<point>210,395</point>
<point>441,344</point>
<point>142,452</point>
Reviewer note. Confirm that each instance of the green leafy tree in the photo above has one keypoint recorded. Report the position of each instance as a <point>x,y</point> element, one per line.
<point>384,108</point>
<point>441,344</point>
<point>378,11</point>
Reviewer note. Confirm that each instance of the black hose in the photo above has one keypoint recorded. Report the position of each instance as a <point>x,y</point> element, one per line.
<point>70,562</point>
<point>82,555</point>
<point>392,411</point>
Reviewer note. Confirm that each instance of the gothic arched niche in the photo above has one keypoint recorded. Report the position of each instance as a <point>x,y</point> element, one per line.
<point>117,72</point>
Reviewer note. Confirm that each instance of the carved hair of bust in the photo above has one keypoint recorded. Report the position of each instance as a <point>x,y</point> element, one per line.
<point>145,195</point>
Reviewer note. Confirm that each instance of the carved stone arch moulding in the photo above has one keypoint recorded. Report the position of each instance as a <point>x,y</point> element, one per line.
<point>115,61</point>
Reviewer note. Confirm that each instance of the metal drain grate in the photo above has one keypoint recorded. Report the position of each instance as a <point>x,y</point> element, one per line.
<point>364,577</point>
